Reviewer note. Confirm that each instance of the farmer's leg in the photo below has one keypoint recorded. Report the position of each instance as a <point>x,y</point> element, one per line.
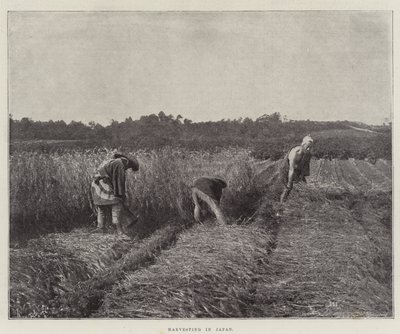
<point>196,205</point>
<point>116,213</point>
<point>214,206</point>
<point>286,193</point>
<point>101,216</point>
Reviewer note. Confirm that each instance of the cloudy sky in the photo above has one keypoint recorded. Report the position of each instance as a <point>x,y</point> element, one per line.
<point>205,66</point>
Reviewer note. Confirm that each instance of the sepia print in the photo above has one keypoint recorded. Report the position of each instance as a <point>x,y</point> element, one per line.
<point>178,165</point>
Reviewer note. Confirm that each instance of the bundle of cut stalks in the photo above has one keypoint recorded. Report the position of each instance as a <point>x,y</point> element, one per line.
<point>330,261</point>
<point>209,273</point>
<point>52,265</point>
<point>67,274</point>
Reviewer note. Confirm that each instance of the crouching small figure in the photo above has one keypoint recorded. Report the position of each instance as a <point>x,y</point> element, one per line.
<point>209,191</point>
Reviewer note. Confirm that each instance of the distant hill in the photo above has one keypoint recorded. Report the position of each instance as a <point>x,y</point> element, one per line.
<point>267,136</point>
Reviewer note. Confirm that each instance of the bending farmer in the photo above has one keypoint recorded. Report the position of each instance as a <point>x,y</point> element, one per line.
<point>209,191</point>
<point>296,165</point>
<point>108,189</point>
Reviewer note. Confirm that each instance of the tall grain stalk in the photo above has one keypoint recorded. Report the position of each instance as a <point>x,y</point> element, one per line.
<point>50,192</point>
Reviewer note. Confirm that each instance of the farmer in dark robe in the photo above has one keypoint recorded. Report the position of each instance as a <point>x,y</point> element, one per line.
<point>108,190</point>
<point>296,166</point>
<point>209,191</point>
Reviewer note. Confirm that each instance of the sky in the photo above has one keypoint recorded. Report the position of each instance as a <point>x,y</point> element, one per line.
<point>99,66</point>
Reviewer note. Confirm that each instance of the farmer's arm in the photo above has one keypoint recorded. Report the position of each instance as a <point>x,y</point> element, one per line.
<point>294,157</point>
<point>292,166</point>
<point>119,180</point>
<point>291,175</point>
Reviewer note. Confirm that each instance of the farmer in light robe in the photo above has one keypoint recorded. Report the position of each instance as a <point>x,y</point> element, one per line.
<point>296,165</point>
<point>108,190</point>
<point>209,191</point>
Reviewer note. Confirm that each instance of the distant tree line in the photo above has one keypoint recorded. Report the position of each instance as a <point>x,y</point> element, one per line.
<point>267,136</point>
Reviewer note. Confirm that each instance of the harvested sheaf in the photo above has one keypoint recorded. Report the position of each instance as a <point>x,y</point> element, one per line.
<point>269,179</point>
<point>50,266</point>
<point>88,295</point>
<point>339,172</point>
<point>329,179</point>
<point>67,274</point>
<point>327,263</point>
<point>209,273</point>
<point>372,173</point>
<point>385,166</point>
<point>352,175</point>
<point>315,168</point>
